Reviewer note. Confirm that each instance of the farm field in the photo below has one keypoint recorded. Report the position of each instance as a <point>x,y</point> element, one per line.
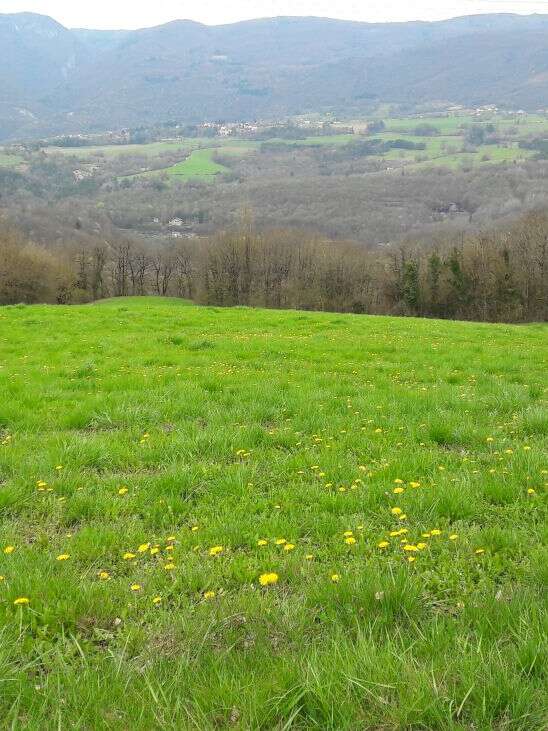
<point>453,125</point>
<point>8,161</point>
<point>235,518</point>
<point>200,163</point>
<point>150,149</point>
<point>444,149</point>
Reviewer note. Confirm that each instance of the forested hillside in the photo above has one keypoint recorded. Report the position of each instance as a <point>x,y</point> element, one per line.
<point>55,80</point>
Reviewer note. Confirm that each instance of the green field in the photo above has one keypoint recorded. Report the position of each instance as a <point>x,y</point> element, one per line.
<point>454,124</point>
<point>149,150</point>
<point>451,134</point>
<point>198,165</point>
<point>233,518</point>
<point>8,161</point>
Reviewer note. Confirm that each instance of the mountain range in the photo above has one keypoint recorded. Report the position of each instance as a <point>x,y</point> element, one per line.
<point>55,80</point>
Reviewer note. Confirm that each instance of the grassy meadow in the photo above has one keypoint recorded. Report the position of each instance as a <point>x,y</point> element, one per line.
<point>246,519</point>
<point>9,161</point>
<point>199,165</point>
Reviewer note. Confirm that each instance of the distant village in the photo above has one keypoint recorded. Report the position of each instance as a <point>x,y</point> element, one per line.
<point>317,124</point>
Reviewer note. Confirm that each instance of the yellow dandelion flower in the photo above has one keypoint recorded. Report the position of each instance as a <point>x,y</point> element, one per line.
<point>410,547</point>
<point>103,575</point>
<point>435,532</point>
<point>136,587</point>
<point>63,557</point>
<point>209,595</point>
<point>422,546</point>
<point>122,491</point>
<point>453,537</point>
<point>9,549</point>
<point>280,541</point>
<point>128,556</point>
<point>397,481</point>
<point>21,600</point>
<point>411,559</point>
<point>194,528</point>
<point>289,546</point>
<point>414,484</point>
<point>154,550</point>
<point>171,538</point>
<point>170,547</point>
<point>398,490</point>
<point>157,600</point>
<point>143,547</point>
<point>350,541</point>
<point>426,535</point>
<point>335,578</point>
<point>215,550</point>
<point>396,511</point>
<point>262,542</point>
<point>383,544</point>
<point>169,566</point>
<point>309,556</point>
<point>479,550</point>
<point>268,579</point>
<point>530,491</point>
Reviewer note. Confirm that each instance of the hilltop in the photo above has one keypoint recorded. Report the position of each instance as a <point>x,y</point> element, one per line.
<point>234,518</point>
<point>57,80</point>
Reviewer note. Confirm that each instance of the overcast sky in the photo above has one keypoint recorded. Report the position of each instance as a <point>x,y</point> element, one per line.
<point>132,14</point>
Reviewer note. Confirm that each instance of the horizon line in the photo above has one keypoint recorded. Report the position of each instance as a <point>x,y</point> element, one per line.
<point>283,17</point>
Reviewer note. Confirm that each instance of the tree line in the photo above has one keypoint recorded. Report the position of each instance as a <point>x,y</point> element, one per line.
<point>497,276</point>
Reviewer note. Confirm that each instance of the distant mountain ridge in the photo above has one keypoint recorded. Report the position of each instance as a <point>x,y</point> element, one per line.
<point>54,80</point>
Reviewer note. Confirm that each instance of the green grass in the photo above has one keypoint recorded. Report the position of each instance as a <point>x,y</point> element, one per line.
<point>8,161</point>
<point>199,164</point>
<point>151,149</point>
<point>230,426</point>
<point>484,155</point>
<point>453,125</point>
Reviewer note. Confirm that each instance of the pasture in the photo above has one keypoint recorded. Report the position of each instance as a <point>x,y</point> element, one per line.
<point>9,160</point>
<point>199,164</point>
<point>234,518</point>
